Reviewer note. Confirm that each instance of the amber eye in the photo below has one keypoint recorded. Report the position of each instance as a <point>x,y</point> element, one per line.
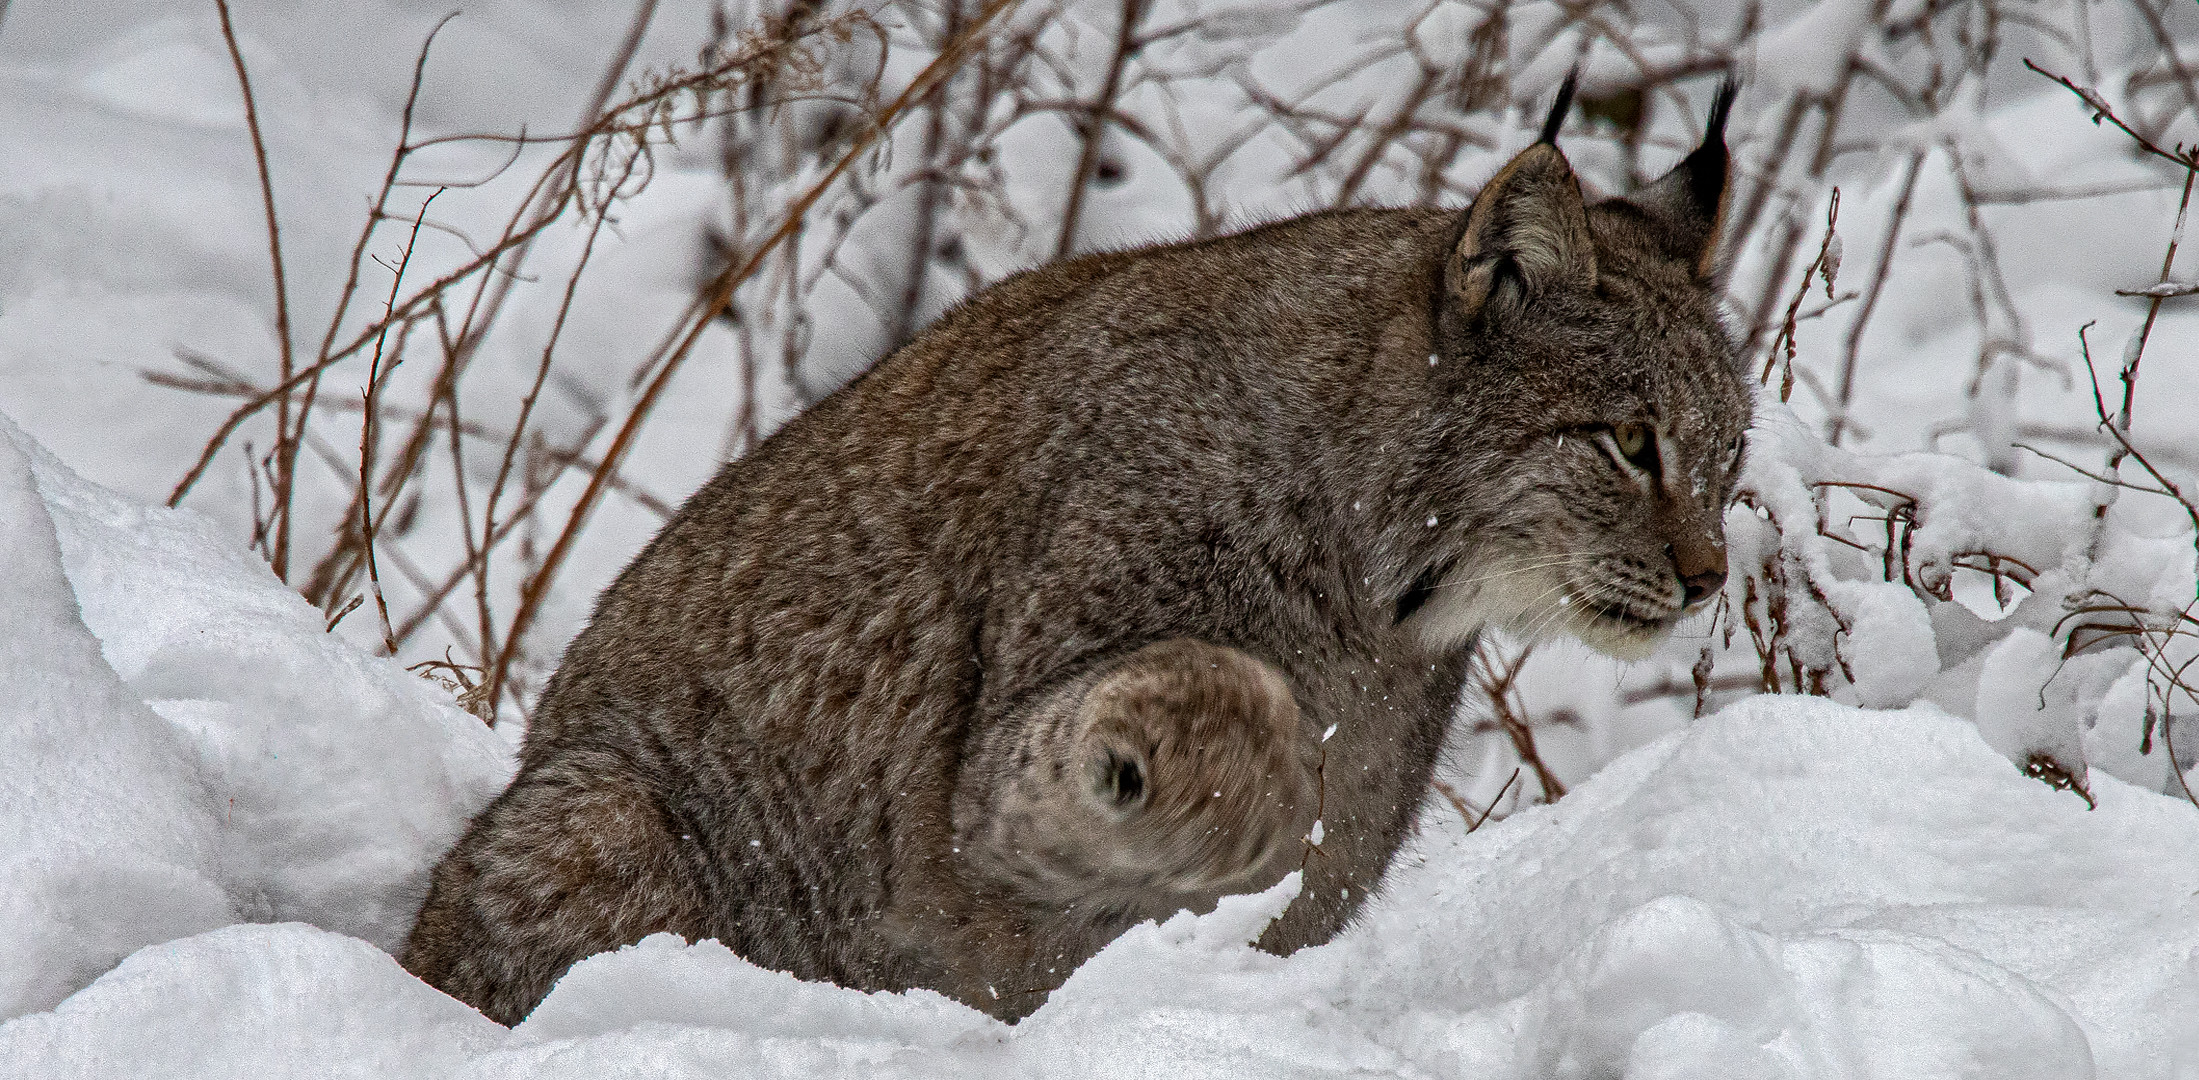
<point>1637,445</point>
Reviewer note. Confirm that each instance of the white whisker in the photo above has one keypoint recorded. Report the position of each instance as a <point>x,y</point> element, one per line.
<point>1548,614</point>
<point>1514,570</point>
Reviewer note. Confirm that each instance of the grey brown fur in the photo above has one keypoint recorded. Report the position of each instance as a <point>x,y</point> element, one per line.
<point>1033,631</point>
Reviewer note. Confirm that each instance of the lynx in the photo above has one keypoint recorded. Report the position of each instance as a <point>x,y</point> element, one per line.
<point>1081,608</point>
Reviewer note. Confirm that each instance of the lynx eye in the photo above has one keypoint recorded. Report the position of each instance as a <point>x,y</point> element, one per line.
<point>1637,444</point>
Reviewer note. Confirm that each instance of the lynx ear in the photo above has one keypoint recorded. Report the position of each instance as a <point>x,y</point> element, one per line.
<point>1527,233</point>
<point>1689,203</point>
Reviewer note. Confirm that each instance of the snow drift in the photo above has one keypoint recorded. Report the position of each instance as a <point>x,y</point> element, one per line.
<point>240,808</point>
<point>187,747</point>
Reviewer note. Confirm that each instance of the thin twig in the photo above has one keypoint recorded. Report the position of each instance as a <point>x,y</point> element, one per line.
<point>521,232</point>
<point>698,319</point>
<point>286,441</point>
<point>2101,111</point>
<point>1825,265</point>
<point>1092,126</point>
<point>1852,348</point>
<point>1501,682</point>
<point>368,524</point>
<point>1477,823</point>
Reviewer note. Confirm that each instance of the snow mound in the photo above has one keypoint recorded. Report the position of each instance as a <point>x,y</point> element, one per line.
<point>112,836</point>
<point>1792,888</point>
<point>170,704</point>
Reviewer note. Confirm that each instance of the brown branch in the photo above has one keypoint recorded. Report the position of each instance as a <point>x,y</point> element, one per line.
<point>2101,111</point>
<point>519,233</point>
<point>931,188</point>
<point>1669,688</point>
<point>1789,329</point>
<point>369,525</point>
<point>698,318</point>
<point>1465,809</point>
<point>2089,474</point>
<point>1092,124</point>
<point>2129,372</point>
<point>563,182</point>
<point>1484,818</point>
<point>1379,144</point>
<point>2168,746</point>
<point>1830,109</point>
<point>2127,450</point>
<point>286,443</point>
<point>375,215</point>
<point>1852,348</point>
<point>1502,682</point>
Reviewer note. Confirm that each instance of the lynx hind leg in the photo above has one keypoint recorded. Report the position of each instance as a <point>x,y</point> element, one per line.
<point>1183,771</point>
<point>575,859</point>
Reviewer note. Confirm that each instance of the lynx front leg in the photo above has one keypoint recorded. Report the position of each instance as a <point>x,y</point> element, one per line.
<point>1181,773</point>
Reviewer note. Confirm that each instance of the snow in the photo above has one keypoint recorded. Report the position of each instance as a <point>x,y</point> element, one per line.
<point>112,835</point>
<point>335,778</point>
<point>1930,621</point>
<point>219,816</point>
<point>187,748</point>
<point>1810,52</point>
<point>2036,702</point>
<point>1898,656</point>
<point>1791,888</point>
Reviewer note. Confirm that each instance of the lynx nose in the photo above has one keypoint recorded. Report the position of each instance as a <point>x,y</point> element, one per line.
<point>1698,586</point>
<point>1701,567</point>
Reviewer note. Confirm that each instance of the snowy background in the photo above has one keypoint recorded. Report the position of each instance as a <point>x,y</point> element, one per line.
<point>218,812</point>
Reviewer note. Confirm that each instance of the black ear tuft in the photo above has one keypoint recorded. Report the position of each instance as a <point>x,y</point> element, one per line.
<point>1709,164</point>
<point>1564,105</point>
<point>1688,203</point>
<point>1720,106</point>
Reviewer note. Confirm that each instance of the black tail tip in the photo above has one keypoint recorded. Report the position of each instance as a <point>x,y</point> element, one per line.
<point>1559,108</point>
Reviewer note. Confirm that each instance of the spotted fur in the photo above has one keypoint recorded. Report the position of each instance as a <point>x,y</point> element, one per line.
<point>1035,629</point>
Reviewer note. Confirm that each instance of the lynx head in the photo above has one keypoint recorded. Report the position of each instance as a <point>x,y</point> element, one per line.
<point>1592,404</point>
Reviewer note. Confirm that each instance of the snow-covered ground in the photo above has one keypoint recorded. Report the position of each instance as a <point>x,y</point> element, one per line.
<point>216,817</point>
<point>203,785</point>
